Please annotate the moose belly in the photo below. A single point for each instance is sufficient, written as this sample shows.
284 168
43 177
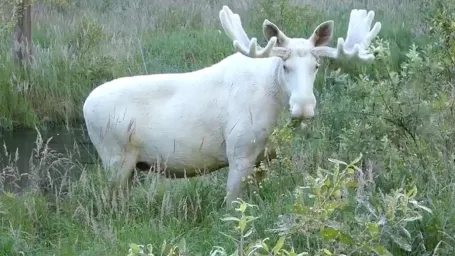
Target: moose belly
177 158
180 136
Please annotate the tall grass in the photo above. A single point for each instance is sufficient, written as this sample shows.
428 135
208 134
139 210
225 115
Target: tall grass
81 44
397 114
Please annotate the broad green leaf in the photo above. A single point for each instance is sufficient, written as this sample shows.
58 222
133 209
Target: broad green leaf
402 242
414 202
410 219
279 244
412 193
150 249
335 161
248 233
352 184
404 230
228 236
230 219
242 207
327 252
327 182
329 233
333 205
350 170
242 224
264 245
373 229
134 247
345 238
357 159
251 218
163 247
381 250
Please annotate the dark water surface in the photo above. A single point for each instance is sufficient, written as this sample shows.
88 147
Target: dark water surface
72 146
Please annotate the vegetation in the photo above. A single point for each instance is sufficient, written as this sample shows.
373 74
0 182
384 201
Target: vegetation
81 44
389 124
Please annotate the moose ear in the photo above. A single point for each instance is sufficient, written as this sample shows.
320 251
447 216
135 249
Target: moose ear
271 30
323 33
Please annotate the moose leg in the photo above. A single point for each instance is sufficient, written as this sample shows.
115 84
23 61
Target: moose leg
238 170
242 156
121 167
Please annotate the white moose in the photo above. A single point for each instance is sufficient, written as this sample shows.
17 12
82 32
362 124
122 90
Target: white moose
188 124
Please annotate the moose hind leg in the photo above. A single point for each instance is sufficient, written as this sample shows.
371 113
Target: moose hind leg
121 169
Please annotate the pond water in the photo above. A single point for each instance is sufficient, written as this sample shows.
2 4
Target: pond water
67 153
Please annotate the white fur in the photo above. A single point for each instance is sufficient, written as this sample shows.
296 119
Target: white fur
201 121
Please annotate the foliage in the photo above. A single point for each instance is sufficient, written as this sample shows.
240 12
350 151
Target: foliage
81 44
284 12
322 211
140 250
443 28
8 15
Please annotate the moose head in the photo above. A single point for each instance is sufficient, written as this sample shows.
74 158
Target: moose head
300 56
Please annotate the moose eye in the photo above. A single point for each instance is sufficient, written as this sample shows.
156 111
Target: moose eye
285 68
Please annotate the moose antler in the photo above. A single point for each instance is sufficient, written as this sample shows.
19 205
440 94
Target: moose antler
358 39
232 26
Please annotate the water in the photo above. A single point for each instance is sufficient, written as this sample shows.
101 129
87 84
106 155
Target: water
73 147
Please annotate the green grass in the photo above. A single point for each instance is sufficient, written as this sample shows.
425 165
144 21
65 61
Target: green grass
81 45
397 113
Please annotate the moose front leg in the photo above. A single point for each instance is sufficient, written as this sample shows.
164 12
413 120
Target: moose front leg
239 170
243 154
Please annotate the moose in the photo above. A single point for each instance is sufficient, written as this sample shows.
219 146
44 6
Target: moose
188 124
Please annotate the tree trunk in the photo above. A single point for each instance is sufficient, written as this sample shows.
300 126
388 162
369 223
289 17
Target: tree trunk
22 36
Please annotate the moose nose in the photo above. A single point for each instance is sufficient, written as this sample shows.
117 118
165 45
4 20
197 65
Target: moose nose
308 112
303 112
309 108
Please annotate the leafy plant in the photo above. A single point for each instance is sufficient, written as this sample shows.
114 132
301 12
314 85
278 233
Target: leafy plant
148 250
322 212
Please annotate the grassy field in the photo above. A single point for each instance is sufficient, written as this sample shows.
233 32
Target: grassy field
397 114
81 45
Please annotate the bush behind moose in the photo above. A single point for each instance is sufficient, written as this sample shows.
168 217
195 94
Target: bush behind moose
397 113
